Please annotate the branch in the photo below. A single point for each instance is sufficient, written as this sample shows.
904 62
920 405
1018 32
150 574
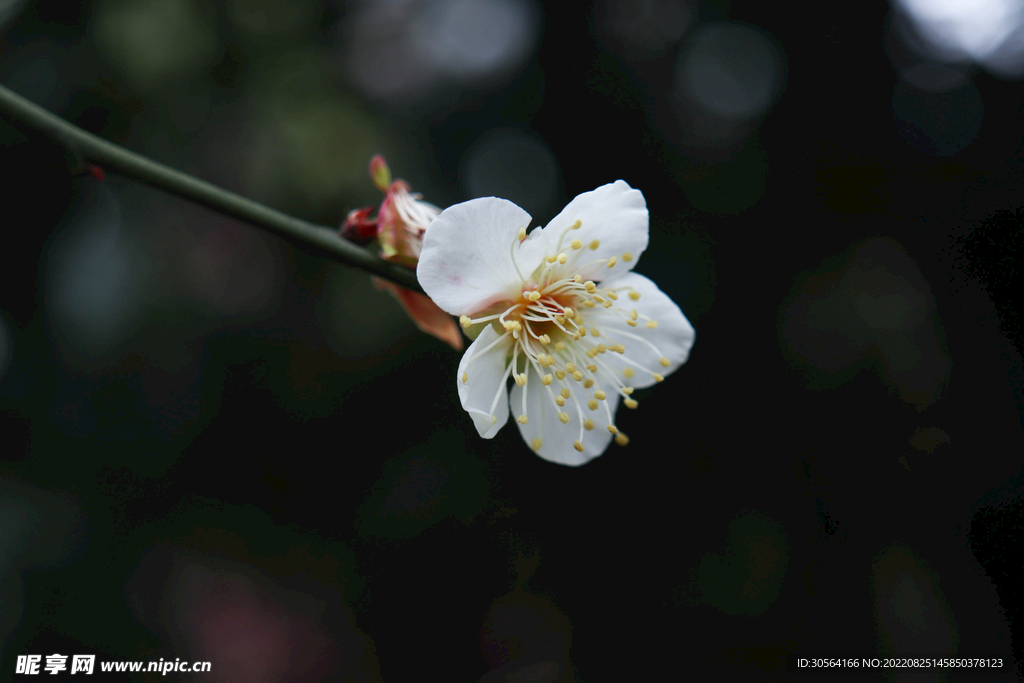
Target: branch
315 239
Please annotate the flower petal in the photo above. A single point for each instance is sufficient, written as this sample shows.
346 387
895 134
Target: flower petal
483 374
645 347
615 215
465 264
425 313
557 438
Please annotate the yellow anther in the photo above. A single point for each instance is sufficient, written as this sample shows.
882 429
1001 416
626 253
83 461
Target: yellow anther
535 296
628 372
598 299
588 424
465 377
559 346
521 380
594 331
621 439
592 404
613 296
627 390
582 331
627 257
592 367
537 443
600 395
576 225
612 261
560 319
587 383
630 403
634 295
613 429
665 362
576 244
577 278
522 234
562 258
591 353
578 446
522 419
565 393
512 325
465 321
569 313
570 368
544 339
559 401
560 374
575 336
546 380
589 304
657 377
563 418
631 323
578 376
633 315
601 348
594 244
590 286
550 259
652 324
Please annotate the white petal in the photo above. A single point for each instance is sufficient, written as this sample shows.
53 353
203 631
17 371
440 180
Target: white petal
671 339
486 379
557 438
615 215
465 264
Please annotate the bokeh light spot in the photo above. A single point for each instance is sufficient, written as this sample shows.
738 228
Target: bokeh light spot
733 71
937 123
513 166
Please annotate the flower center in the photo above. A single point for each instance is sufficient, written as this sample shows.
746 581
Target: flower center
555 333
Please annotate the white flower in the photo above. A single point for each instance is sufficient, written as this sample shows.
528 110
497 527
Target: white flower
568 321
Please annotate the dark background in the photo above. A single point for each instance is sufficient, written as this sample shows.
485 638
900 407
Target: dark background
217 447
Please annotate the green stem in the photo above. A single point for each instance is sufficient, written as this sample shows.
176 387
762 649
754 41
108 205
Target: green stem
315 239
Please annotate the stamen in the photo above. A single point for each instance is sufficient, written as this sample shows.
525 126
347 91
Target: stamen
600 395
522 419
537 443
592 404
546 380
576 244
630 403
594 244
465 377
611 261
578 446
621 439
588 424
627 257
563 417
613 429
665 362
634 295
